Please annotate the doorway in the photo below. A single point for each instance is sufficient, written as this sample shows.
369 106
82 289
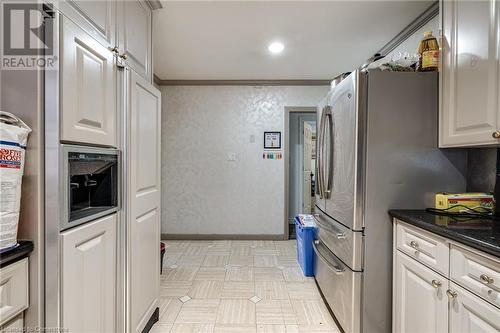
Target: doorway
300 164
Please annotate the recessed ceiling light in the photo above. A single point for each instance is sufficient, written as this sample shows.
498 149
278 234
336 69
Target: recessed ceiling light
276 47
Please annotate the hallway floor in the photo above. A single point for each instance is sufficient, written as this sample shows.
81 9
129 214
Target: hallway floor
238 287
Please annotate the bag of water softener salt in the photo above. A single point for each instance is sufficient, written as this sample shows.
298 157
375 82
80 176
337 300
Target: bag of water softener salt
13 138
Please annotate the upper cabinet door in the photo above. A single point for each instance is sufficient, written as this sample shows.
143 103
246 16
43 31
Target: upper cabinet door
134 35
469 114
87 88
97 18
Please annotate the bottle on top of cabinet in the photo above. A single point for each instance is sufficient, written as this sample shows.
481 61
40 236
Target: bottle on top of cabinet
428 50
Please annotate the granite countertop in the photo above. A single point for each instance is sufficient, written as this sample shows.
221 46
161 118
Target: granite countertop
481 234
19 252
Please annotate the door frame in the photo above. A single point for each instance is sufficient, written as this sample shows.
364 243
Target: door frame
286 151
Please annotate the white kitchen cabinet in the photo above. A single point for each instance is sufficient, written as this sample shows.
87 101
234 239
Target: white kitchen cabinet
469 111
88 281
13 290
144 128
135 37
420 297
96 17
87 88
471 314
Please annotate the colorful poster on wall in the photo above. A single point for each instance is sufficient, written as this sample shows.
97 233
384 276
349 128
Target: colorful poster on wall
272 140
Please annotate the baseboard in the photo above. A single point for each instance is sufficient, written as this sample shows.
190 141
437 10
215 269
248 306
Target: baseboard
155 316
221 237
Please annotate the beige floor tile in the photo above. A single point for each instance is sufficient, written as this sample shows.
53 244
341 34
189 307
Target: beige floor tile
303 290
201 243
175 247
198 311
170 259
241 250
233 289
265 261
264 251
195 250
222 244
264 244
294 274
191 260
206 289
286 251
222 251
269 290
238 243
268 274
288 261
174 288
271 328
184 273
235 260
318 328
269 312
240 274
289 316
211 274
192 328
169 309
312 312
161 328
228 328
215 261
236 311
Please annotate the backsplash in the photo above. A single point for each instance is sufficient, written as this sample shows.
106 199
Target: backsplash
481 169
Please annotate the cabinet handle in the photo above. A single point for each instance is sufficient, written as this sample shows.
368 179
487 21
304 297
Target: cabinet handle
496 135
486 279
114 49
124 56
452 294
436 284
414 245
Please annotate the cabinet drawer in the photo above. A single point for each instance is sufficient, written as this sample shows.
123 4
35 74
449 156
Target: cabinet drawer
478 273
13 290
425 247
14 325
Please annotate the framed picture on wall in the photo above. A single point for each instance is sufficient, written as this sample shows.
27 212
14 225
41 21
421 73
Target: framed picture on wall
272 140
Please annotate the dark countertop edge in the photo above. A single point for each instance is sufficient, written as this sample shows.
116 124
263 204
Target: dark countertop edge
459 238
21 251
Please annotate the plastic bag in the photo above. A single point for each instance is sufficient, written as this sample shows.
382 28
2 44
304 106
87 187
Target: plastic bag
13 138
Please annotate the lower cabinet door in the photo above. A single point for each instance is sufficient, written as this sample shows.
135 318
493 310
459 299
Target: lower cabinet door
420 301
470 314
88 277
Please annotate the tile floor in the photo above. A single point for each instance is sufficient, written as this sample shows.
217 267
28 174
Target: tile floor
238 287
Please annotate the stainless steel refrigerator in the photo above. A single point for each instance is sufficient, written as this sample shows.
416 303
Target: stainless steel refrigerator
376 150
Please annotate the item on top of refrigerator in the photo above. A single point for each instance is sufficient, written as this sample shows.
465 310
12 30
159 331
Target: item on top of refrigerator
13 138
465 202
400 62
428 49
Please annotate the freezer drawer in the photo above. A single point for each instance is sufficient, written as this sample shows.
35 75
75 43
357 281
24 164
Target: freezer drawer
346 244
341 287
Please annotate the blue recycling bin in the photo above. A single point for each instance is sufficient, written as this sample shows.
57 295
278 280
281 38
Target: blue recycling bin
305 254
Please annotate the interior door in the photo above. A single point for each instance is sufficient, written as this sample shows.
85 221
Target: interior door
306 174
341 151
144 123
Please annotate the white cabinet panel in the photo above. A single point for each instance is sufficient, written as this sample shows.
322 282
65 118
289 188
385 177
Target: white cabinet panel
471 314
469 74
477 273
96 17
420 301
88 280
13 290
87 89
427 248
135 35
144 200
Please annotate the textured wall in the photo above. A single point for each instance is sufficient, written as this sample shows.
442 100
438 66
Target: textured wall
203 192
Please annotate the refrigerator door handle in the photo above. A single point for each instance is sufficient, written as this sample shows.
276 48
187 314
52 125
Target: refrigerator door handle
329 167
319 165
330 228
332 262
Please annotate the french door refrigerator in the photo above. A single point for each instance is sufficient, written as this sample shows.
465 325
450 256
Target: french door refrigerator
376 150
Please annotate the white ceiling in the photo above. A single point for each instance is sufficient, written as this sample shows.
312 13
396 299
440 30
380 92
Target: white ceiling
227 40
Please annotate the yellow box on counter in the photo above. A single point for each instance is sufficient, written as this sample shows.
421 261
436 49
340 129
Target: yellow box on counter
456 202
